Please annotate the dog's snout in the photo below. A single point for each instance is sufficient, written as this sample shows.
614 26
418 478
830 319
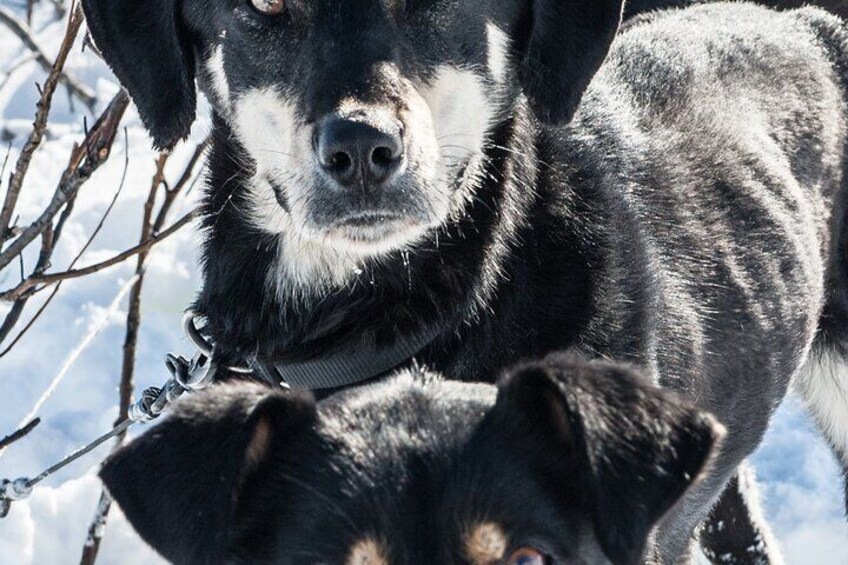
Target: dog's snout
358 153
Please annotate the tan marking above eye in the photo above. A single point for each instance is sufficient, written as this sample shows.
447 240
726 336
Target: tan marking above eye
269 7
485 544
367 552
259 444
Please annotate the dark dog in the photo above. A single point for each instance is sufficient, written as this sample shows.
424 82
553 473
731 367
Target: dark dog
563 462
638 7
478 182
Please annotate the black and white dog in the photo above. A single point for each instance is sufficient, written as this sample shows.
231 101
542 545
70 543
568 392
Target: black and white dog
564 462
475 182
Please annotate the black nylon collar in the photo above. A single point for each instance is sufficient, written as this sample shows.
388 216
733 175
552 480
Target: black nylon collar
346 367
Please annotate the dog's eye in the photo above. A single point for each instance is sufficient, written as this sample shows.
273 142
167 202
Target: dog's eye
527 556
269 7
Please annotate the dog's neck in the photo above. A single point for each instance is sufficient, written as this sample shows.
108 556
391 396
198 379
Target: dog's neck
396 296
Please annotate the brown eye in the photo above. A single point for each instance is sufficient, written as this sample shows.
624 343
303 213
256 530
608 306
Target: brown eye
527 556
269 7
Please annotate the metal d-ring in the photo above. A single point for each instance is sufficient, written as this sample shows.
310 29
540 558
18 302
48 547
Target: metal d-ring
195 334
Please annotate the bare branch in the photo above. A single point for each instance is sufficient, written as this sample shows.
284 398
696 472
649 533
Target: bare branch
39 126
12 318
38 281
96 530
76 259
85 159
144 247
20 434
75 354
149 230
188 173
24 33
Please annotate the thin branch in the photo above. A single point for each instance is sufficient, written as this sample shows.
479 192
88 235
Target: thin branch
98 327
39 126
188 173
144 247
91 548
12 318
9 72
149 230
38 281
18 435
79 254
5 162
85 159
24 33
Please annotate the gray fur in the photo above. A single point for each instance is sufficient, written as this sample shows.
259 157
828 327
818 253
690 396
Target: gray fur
723 180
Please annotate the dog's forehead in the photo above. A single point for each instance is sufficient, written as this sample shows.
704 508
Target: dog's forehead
408 431
410 407
412 471
329 24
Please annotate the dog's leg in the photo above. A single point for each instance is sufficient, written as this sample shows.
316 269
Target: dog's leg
823 384
736 532
728 491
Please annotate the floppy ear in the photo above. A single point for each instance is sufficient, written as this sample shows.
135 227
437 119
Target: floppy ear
569 39
179 484
142 42
628 449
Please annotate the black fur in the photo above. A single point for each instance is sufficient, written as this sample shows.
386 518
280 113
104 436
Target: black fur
155 62
567 457
554 83
689 219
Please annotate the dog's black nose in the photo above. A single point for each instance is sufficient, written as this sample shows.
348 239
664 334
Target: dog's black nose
355 152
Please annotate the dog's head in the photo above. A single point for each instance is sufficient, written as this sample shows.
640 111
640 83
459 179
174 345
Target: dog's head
564 462
362 120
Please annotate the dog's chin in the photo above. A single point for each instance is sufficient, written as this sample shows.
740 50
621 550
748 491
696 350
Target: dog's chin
370 233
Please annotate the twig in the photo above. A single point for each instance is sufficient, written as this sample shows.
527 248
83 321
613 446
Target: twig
78 350
20 434
188 173
12 318
24 33
10 71
85 159
97 528
91 548
149 229
79 254
39 126
5 162
27 286
38 281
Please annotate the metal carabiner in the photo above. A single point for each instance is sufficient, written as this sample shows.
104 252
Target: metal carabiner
199 372
194 333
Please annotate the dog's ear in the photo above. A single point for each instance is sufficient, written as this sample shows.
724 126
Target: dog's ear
568 41
142 41
628 450
179 484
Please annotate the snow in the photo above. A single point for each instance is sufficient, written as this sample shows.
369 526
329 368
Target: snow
800 481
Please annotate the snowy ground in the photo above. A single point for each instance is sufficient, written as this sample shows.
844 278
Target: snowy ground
800 483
